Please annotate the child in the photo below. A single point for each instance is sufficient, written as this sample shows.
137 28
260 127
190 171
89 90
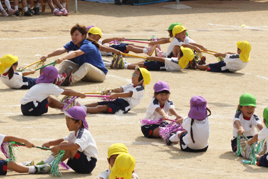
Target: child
12 78
10 165
195 136
37 99
79 146
232 62
127 96
245 120
160 107
9 9
113 151
169 64
263 134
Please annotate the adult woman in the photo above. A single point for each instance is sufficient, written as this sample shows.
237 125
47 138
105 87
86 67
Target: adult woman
83 58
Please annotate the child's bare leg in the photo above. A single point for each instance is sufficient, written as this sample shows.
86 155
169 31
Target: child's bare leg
176 50
58 4
133 65
97 109
53 103
16 167
136 49
155 133
91 105
51 5
202 67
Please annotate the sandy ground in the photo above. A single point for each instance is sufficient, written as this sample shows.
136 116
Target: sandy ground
215 24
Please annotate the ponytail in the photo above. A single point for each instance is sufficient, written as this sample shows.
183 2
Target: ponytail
94 43
209 112
191 131
10 72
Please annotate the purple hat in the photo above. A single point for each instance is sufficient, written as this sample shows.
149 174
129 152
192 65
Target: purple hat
198 109
89 27
77 113
50 73
161 86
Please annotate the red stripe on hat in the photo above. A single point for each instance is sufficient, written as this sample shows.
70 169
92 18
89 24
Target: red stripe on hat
77 155
110 110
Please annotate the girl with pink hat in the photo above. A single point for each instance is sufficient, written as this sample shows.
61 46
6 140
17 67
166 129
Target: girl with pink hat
195 136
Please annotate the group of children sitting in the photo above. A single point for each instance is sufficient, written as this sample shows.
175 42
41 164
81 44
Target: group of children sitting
192 132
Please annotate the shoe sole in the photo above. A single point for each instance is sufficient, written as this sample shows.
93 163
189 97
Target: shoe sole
67 81
116 62
120 63
152 51
112 65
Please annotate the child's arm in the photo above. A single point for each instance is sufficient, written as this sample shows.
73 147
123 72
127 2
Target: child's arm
112 39
260 126
239 127
25 73
159 59
222 54
192 47
52 143
160 41
174 112
70 55
70 92
121 95
63 146
199 46
253 139
161 112
109 49
57 52
20 140
115 90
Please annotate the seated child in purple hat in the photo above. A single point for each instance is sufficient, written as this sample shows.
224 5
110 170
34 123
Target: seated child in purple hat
79 146
37 99
159 107
11 165
195 136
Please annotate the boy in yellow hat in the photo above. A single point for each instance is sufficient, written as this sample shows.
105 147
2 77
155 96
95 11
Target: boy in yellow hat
113 152
232 61
126 97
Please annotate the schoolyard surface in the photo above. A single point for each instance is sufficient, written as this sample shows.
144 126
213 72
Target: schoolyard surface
214 24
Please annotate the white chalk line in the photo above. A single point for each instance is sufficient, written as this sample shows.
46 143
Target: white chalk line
119 77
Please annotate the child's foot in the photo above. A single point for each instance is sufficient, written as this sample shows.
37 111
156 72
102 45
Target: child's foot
58 13
61 78
158 53
11 12
193 64
68 78
4 12
30 10
202 61
42 169
151 50
120 63
168 142
18 13
29 163
27 13
65 12
114 61
36 10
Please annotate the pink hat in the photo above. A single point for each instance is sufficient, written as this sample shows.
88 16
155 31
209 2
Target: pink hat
77 113
161 86
198 109
50 73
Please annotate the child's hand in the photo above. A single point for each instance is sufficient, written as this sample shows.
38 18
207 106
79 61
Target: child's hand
198 50
47 145
28 144
43 58
55 149
82 95
165 117
113 96
241 131
217 54
204 48
59 60
179 119
105 92
120 39
118 52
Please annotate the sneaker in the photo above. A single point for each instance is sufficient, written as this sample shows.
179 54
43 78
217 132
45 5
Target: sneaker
114 64
41 163
4 12
18 13
28 13
42 169
30 163
68 78
151 50
58 13
192 64
36 10
120 63
158 53
65 12
61 78
168 142
202 61
11 12
30 10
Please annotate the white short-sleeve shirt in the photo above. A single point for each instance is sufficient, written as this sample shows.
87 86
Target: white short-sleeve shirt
15 82
2 137
248 125
200 133
86 142
263 134
233 63
138 93
174 41
105 174
152 114
41 91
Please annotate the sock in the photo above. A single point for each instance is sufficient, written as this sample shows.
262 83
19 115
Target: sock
16 7
49 159
55 10
145 50
25 9
84 107
126 65
7 4
32 169
64 5
174 137
38 4
62 9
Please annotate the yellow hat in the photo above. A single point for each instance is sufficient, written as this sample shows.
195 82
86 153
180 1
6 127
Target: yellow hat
116 149
7 61
146 75
123 167
188 55
178 29
95 30
245 48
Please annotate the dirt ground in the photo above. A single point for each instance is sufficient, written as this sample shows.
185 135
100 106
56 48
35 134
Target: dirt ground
214 24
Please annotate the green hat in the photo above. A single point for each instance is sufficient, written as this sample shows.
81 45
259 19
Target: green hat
265 115
247 99
173 25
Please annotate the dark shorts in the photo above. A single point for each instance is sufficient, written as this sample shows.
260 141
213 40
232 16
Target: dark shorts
30 110
31 82
3 167
80 164
116 105
170 55
121 47
189 149
263 161
234 143
216 67
153 65
147 130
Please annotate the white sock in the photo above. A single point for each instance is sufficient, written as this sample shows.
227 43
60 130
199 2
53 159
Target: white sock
174 137
49 159
7 4
25 9
62 9
145 50
16 7
32 169
126 65
38 4
64 5
84 107
55 10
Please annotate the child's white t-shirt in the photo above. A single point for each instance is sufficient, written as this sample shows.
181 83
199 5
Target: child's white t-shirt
15 82
175 41
172 64
41 91
86 142
152 114
248 125
138 93
105 174
263 134
2 137
200 133
233 63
